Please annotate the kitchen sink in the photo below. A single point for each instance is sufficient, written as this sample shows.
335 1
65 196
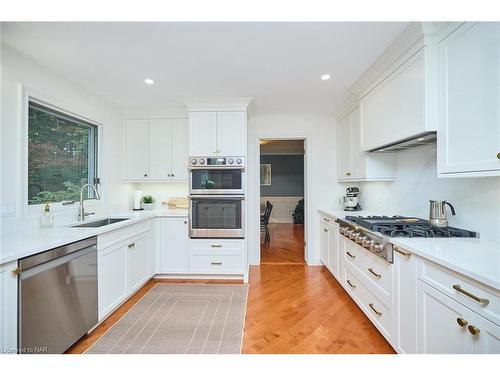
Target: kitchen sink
100 223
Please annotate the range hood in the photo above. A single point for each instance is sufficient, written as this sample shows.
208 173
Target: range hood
417 140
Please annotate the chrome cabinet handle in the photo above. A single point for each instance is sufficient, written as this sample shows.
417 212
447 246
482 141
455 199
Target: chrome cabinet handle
131 245
213 245
377 275
216 263
473 330
482 301
373 308
397 250
352 256
462 322
351 284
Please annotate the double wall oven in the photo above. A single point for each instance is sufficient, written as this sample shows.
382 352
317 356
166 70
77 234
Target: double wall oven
217 197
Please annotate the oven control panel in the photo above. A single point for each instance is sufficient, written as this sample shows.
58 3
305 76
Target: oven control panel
219 161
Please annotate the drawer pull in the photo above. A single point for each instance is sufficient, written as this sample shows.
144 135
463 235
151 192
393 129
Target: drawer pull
351 284
374 310
474 330
377 275
462 322
213 245
16 271
352 256
325 230
482 301
397 250
348 173
131 245
216 263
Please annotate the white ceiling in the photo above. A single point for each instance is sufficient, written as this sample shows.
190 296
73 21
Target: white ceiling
278 64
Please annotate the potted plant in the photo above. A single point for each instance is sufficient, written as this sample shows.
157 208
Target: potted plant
147 201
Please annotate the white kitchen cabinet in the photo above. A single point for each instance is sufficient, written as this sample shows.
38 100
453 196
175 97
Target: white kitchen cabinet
324 244
217 133
231 131
487 341
8 308
355 164
174 245
469 119
405 302
438 326
156 150
136 149
401 105
138 261
112 281
329 245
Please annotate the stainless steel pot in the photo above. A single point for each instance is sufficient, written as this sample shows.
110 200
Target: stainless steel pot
437 213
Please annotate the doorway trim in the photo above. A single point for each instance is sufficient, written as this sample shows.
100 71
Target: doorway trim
307 183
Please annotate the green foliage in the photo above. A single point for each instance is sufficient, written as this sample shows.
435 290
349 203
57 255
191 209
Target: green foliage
71 193
298 213
147 199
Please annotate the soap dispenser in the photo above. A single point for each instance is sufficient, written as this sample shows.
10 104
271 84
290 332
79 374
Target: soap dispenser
46 218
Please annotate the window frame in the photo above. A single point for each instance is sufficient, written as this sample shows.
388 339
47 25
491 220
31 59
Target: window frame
68 110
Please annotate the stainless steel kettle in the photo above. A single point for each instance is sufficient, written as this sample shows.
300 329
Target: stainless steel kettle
437 213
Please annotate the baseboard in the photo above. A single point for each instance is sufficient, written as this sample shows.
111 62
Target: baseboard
198 276
314 262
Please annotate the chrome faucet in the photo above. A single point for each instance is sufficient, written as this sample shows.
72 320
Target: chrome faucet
81 210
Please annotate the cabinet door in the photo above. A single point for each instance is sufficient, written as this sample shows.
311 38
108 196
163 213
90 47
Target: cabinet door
160 150
8 308
112 281
202 133
469 139
231 133
174 245
179 148
438 331
345 148
487 341
405 302
324 244
136 150
138 261
333 249
395 109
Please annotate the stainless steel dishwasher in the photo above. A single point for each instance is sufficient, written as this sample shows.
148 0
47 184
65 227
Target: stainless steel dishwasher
57 297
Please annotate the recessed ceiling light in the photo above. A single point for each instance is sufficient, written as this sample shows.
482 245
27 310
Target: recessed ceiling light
325 77
149 81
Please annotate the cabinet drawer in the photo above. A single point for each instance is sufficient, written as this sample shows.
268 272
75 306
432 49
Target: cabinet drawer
374 308
479 298
217 247
378 274
115 236
218 264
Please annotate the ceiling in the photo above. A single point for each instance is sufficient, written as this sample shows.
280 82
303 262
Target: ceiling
278 64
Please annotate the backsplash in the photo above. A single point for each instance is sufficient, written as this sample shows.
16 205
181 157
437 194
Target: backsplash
476 200
161 191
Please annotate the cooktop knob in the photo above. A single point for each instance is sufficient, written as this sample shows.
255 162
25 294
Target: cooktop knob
359 238
377 248
353 234
230 161
194 161
239 161
202 161
366 243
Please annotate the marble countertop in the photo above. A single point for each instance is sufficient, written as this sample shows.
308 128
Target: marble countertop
25 240
476 258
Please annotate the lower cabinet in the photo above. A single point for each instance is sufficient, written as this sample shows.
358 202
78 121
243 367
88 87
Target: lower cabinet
174 245
123 267
217 256
8 308
329 245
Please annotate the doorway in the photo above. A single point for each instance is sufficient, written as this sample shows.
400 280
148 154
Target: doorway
282 201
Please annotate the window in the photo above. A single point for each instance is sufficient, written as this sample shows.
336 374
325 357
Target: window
62 155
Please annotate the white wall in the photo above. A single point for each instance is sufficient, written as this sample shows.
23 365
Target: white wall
476 200
321 172
18 72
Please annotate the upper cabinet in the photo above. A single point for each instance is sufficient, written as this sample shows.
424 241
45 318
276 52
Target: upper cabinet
218 127
400 106
355 164
217 133
469 115
156 149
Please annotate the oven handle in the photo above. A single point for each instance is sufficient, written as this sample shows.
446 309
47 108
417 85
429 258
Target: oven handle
235 196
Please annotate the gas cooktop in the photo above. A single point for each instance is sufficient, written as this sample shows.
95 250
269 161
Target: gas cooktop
400 226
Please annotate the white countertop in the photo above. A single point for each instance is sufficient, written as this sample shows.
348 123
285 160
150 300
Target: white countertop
25 240
476 258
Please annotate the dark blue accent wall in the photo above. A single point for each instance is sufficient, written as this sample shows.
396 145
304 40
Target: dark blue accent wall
287 176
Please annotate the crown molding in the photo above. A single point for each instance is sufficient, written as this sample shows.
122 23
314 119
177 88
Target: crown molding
229 104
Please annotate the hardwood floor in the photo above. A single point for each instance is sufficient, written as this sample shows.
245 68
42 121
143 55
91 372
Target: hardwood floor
291 309
286 246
